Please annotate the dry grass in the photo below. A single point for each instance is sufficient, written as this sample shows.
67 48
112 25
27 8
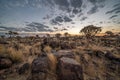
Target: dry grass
15 56
3 51
77 58
53 61
100 48
47 49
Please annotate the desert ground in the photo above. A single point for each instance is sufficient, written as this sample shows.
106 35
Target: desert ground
60 57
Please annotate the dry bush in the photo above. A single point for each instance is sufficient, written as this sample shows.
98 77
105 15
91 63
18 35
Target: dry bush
26 50
36 49
15 56
47 49
53 61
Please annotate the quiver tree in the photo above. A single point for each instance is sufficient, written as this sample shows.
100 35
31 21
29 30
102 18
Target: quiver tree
58 35
66 34
109 33
90 31
11 33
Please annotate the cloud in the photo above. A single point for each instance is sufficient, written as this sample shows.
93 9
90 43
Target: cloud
72 22
3 28
83 18
72 16
76 11
67 19
38 25
116 5
113 16
30 27
93 10
117 12
118 23
53 22
35 26
58 20
63 4
96 1
97 4
76 3
47 17
101 22
116 9
64 29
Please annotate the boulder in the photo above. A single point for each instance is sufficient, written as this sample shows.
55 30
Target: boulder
5 63
25 67
64 53
69 69
40 65
41 69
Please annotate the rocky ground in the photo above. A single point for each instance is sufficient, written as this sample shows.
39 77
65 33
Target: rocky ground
65 61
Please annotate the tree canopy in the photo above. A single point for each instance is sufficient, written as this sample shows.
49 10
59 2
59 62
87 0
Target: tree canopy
110 33
90 30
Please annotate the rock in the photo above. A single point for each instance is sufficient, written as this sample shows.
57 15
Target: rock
112 57
5 63
40 69
69 69
65 45
1 78
98 65
54 44
65 53
25 67
40 65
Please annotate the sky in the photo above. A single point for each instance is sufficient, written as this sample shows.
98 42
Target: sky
59 15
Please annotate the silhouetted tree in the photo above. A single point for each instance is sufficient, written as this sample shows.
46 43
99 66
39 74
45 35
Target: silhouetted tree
48 35
37 36
15 33
90 31
109 33
11 33
58 35
66 34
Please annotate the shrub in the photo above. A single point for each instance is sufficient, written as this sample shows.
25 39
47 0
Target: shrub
14 55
